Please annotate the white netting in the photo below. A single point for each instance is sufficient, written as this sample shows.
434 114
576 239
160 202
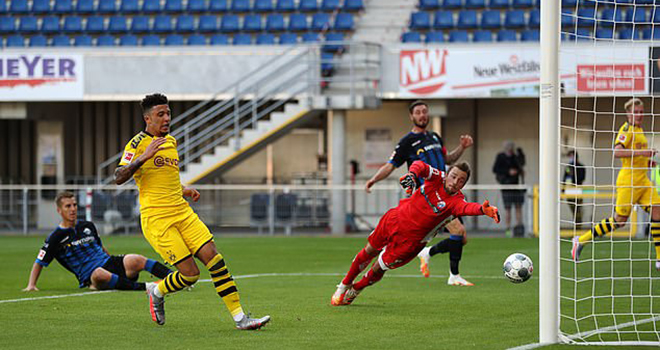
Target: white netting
612 295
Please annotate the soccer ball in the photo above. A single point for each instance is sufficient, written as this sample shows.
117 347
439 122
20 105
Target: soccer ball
518 267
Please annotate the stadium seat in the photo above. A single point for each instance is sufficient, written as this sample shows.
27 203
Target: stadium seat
218 6
263 6
297 22
514 19
327 64
27 24
275 22
355 5
162 24
38 41
491 19
185 24
420 20
609 16
530 35
452 4
85 6
320 21
475 4
63 6
429 4
569 3
310 38
581 34
117 24
567 18
499 4
586 17
19 6
140 24
151 40
534 19
592 3
229 24
129 6
285 6
629 34
265 39
655 16
651 33
7 25
196 39
522 3
467 19
106 7
127 40
106 40
38 6
174 40
288 39
507 35
308 6
3 7
173 6
15 41
411 37
443 20
61 41
458 36
435 37
207 23
219 39
73 24
482 36
82 40
50 24
252 23
150 6
344 21
332 42
329 5
95 24
240 6
636 15
242 39
195 6
605 33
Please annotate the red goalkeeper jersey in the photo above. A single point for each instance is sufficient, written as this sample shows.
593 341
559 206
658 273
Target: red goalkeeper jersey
430 207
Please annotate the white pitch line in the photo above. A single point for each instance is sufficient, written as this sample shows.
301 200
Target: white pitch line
528 346
55 296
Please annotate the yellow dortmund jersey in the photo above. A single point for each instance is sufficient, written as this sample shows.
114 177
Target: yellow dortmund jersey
158 178
633 169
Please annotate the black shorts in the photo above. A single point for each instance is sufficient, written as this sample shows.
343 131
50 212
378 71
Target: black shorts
513 197
116 265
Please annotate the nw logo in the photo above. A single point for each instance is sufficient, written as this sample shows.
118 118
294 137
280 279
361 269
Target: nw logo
423 71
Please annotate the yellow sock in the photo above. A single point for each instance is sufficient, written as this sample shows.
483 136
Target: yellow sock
655 233
602 228
224 284
175 282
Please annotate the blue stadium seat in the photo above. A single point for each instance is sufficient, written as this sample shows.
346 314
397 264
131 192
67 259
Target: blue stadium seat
63 6
207 23
514 19
151 40
310 38
263 6
285 6
127 40
240 6
569 3
491 19
82 40
85 6
458 36
297 22
344 21
196 6
355 5
605 33
19 6
651 33
507 35
173 6
3 7
435 37
290 39
107 40
522 3
61 41
15 41
411 37
629 34
329 5
39 6
218 6
185 24
106 7
534 19
530 35
275 22
308 6
567 18
443 20
50 24
229 23
467 19
332 42
140 24
655 16
327 66
584 34
242 39
499 4
429 4
162 24
586 17
252 23
150 6
174 40
636 15
38 41
129 6
475 4
117 24
265 39
320 21
94 24
7 25
73 24
482 36
219 39
452 4
27 24
420 20
610 15
196 39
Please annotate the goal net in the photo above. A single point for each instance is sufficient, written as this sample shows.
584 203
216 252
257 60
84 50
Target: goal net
606 63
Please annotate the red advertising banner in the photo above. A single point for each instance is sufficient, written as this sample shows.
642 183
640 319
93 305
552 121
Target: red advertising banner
611 77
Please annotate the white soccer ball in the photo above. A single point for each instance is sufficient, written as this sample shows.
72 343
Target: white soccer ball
518 267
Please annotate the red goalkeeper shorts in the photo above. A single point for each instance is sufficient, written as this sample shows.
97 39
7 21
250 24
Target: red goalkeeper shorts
396 249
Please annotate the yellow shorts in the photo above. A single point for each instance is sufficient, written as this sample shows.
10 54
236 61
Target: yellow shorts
643 195
176 237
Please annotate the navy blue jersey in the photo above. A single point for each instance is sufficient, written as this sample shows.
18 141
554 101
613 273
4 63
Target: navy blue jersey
79 249
427 147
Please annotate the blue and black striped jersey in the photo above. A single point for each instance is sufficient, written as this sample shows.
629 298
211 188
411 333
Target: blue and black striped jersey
427 147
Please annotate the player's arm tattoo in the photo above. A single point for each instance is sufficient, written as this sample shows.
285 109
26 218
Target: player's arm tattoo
454 155
124 173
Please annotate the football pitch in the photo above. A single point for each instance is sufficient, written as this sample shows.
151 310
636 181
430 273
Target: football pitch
290 278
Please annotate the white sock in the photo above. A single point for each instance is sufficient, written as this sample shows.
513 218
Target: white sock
239 316
157 292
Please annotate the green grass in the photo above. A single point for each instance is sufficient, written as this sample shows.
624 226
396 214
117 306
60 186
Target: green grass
404 312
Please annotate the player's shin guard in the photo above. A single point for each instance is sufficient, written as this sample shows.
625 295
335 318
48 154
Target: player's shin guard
602 228
455 253
175 282
157 269
121 283
225 285
369 278
655 233
360 262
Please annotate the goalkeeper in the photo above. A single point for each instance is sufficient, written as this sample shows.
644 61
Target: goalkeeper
403 231
632 184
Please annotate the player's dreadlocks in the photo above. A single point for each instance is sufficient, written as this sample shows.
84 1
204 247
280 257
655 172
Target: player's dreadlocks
152 100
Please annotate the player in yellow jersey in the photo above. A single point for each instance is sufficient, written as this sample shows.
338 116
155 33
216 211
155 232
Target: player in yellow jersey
632 184
168 223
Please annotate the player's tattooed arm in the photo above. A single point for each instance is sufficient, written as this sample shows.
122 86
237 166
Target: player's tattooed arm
465 142
124 173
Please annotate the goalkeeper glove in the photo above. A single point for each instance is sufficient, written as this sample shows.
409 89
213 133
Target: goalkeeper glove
490 211
409 183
